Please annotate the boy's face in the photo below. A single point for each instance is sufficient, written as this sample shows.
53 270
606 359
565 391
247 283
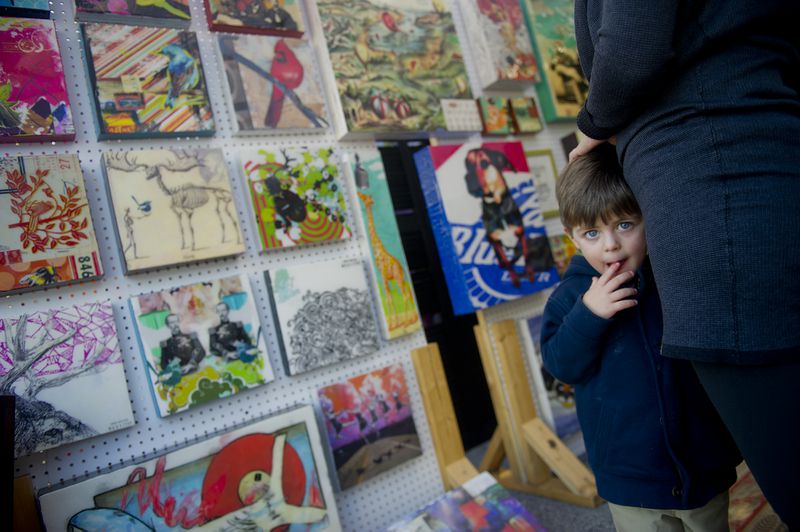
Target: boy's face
620 240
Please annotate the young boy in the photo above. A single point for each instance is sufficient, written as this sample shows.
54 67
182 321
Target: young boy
659 452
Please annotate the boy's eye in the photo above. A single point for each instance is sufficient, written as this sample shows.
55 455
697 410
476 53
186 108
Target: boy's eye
591 233
624 226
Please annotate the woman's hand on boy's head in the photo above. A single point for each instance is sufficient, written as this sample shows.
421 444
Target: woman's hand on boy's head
606 296
586 144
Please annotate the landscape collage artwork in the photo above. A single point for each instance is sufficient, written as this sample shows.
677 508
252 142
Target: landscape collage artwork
64 366
394 60
270 17
46 231
322 319
34 104
172 206
148 82
273 83
269 475
201 342
296 196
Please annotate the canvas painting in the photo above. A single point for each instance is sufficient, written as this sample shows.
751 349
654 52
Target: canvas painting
487 223
46 231
25 8
147 82
369 424
495 115
65 368
525 115
296 196
34 104
563 87
269 475
390 274
201 342
542 165
270 17
394 60
272 83
174 13
172 206
323 313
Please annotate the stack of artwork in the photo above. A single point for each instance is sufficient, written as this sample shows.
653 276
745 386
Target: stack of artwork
65 368
271 17
201 342
34 104
269 475
369 424
171 13
46 231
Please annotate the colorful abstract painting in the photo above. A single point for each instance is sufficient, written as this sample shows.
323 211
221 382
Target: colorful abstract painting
201 342
172 206
269 475
46 231
369 424
174 13
563 87
323 312
147 82
487 223
495 115
272 83
269 17
525 115
390 273
34 105
65 368
296 196
394 60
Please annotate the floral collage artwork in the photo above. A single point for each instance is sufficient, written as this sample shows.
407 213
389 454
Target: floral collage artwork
269 17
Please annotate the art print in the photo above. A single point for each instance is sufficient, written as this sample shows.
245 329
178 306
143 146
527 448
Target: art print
157 12
65 368
525 115
46 231
269 475
542 166
270 17
296 196
25 8
369 424
272 83
34 104
495 115
172 206
323 312
147 82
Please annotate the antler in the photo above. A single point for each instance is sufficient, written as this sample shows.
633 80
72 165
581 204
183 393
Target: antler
126 161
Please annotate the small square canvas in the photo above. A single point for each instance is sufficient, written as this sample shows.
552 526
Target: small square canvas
391 277
268 475
170 13
270 17
323 313
525 115
46 231
201 342
147 82
369 424
542 165
171 206
65 368
273 83
34 104
495 115
461 114
296 196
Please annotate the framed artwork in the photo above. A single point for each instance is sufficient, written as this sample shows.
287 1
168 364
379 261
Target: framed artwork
369 425
268 475
393 62
272 82
323 313
34 104
46 231
25 8
495 115
563 87
542 166
200 342
525 115
296 196
65 368
169 13
486 221
500 43
171 206
271 17
461 114
390 274
146 82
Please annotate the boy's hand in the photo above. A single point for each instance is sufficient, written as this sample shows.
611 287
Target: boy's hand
605 297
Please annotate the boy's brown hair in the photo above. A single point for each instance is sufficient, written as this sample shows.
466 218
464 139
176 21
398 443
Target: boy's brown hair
592 188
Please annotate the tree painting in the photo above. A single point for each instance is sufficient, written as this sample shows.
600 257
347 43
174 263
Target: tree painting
43 356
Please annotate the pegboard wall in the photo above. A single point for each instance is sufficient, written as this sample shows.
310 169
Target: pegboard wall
370 506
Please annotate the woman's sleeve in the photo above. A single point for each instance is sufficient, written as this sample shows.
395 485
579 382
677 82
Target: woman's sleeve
631 62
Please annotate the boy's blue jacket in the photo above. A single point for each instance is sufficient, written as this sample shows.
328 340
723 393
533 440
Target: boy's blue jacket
652 436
